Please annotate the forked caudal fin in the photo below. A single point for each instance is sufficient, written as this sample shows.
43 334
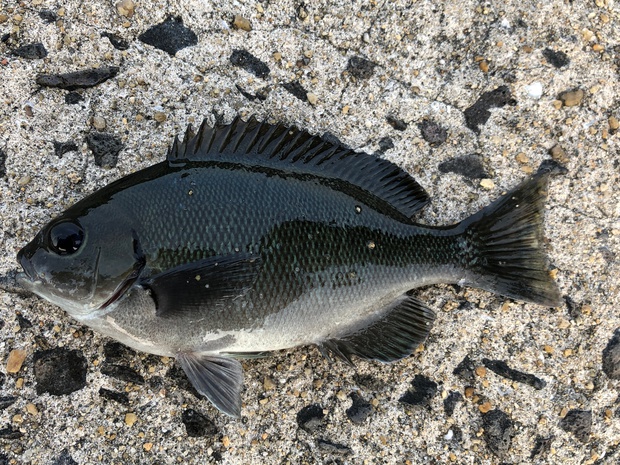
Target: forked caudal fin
503 245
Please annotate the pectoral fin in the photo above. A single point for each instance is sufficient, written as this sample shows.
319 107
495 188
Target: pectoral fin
219 379
208 283
393 336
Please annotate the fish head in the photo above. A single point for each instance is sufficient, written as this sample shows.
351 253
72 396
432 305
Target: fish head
82 261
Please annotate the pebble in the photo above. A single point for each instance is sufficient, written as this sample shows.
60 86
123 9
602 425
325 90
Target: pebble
558 154
105 148
312 98
542 446
130 419
501 368
120 397
297 90
126 8
359 410
73 98
117 42
432 132
15 360
487 184
465 370
197 424
450 402
24 180
469 166
160 116
169 36
421 393
333 448
99 123
60 148
498 431
30 51
32 409
310 418
579 423
78 79
10 433
534 90
611 356
360 67
571 98
478 114
242 23
613 123
122 372
268 384
59 371
245 60
396 123
557 59
2 163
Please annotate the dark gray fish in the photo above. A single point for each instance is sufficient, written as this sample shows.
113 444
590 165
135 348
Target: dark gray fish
251 238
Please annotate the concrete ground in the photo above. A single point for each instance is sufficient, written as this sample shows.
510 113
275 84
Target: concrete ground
421 83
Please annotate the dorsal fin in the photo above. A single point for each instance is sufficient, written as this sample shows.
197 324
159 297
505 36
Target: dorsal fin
290 149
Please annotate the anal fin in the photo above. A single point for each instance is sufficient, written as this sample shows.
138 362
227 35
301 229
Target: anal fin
395 335
219 379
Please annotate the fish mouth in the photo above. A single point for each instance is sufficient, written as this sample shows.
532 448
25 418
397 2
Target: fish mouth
29 273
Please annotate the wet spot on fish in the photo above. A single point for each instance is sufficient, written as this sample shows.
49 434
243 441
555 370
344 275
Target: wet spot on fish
197 278
358 209
190 193
371 245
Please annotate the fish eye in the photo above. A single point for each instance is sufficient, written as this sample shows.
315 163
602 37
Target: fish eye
65 238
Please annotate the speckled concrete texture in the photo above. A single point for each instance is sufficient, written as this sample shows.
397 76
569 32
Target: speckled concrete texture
540 80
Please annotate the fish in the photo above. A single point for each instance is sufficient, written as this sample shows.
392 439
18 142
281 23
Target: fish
251 237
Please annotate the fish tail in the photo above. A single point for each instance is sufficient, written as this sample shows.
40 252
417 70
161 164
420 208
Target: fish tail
503 245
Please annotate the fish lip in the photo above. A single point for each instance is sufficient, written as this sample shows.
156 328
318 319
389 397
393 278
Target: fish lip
27 266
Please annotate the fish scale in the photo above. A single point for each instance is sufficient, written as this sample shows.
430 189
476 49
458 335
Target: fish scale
253 237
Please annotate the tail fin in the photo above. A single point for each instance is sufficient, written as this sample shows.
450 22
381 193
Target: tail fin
504 245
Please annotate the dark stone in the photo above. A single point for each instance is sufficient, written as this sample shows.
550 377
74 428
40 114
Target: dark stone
296 89
552 167
469 166
30 51
10 433
260 95
48 16
611 356
310 418
7 401
4 459
117 42
64 459
360 410
23 322
501 368
421 392
124 373
5 38
457 434
60 148
105 148
573 309
449 403
578 422
542 446
169 36
120 397
385 144
396 123
498 431
198 425
478 114
2 163
360 68
78 79
333 448
432 132
113 351
72 98
2 378
465 369
247 61
59 371
556 59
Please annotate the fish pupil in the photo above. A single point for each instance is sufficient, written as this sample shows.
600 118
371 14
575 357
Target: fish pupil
65 238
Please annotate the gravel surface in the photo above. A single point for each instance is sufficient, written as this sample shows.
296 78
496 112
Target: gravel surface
469 97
